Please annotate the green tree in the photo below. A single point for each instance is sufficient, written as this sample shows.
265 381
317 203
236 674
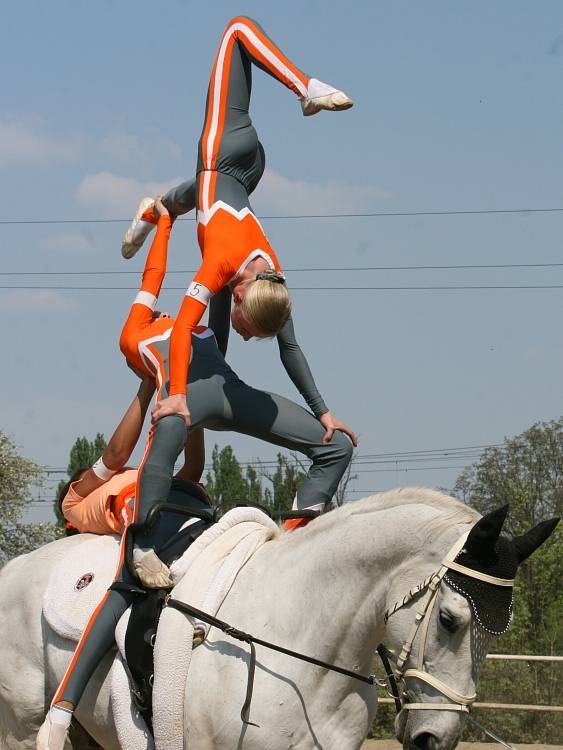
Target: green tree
285 479
17 477
225 482
83 454
255 494
527 473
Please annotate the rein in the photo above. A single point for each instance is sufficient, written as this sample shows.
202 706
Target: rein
240 635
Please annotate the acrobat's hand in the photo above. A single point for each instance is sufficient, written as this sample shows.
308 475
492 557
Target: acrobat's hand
331 424
172 405
159 208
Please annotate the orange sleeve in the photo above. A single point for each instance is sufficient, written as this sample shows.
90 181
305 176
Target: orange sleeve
212 276
90 513
93 512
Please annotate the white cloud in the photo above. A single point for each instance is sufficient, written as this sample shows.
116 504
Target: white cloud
24 140
82 240
117 195
150 148
282 195
34 300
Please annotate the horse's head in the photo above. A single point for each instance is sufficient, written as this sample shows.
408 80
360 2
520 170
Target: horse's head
440 650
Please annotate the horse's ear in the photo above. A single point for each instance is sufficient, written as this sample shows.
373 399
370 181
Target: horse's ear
483 536
532 539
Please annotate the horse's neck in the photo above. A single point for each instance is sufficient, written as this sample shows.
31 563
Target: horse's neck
324 590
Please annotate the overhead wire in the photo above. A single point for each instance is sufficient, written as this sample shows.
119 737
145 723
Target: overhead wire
442 287
328 269
471 452
352 215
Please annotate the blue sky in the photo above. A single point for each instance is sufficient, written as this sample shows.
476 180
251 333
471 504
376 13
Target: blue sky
458 107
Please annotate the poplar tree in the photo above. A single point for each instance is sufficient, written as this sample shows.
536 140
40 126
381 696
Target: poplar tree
18 476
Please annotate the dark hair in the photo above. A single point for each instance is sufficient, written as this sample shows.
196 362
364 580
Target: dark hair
75 476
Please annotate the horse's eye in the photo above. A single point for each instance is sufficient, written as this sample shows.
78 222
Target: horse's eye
448 621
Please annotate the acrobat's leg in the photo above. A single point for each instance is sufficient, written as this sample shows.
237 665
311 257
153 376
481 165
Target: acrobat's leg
228 143
141 313
97 638
181 199
279 421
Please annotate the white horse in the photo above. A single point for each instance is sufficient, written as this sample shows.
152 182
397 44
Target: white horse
322 591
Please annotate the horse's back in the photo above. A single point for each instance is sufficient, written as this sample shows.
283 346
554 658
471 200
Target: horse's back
23 699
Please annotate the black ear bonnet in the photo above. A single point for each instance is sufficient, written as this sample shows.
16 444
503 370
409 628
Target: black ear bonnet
487 551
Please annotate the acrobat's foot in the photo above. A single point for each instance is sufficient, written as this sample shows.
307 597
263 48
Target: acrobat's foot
52 735
322 96
139 229
152 572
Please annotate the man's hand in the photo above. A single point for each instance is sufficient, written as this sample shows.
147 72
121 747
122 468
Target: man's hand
331 424
172 405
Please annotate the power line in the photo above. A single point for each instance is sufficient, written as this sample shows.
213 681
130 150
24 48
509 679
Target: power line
355 215
470 452
390 470
334 269
435 288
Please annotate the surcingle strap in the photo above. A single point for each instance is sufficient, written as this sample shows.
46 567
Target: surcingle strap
139 648
143 622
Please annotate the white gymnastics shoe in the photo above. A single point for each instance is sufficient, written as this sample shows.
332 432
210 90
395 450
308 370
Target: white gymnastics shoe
322 96
152 572
52 735
138 231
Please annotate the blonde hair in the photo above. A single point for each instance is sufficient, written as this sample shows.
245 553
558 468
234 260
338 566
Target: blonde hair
266 303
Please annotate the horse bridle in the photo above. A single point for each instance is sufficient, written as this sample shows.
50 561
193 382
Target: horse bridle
460 702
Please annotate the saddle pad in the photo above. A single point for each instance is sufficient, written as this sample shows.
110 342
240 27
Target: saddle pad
203 577
78 583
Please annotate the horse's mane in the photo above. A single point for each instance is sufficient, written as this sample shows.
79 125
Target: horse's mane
450 510
412 496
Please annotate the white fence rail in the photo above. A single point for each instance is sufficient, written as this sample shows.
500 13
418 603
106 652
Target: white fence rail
512 706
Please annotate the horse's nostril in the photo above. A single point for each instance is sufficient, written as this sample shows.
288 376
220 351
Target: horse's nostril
426 741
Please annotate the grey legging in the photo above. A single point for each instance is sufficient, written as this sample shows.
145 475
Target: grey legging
219 400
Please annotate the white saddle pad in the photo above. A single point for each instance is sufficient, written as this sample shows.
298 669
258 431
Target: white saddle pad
78 583
202 577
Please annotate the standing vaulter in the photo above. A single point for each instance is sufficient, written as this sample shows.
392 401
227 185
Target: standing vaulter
236 255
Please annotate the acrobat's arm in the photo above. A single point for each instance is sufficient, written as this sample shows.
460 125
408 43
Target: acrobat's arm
121 444
298 369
